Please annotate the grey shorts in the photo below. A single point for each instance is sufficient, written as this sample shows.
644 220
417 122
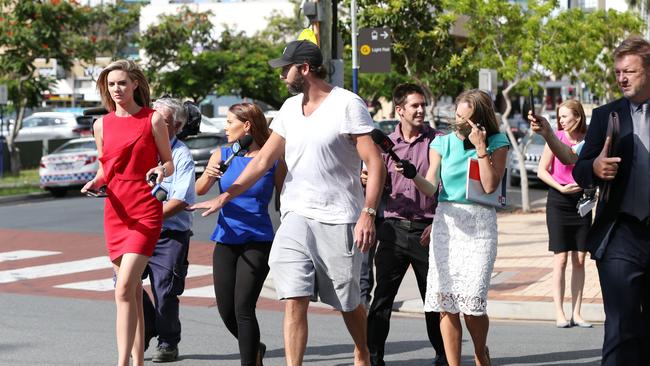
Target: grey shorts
318 260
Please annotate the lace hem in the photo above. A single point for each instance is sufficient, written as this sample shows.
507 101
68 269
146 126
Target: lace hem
456 303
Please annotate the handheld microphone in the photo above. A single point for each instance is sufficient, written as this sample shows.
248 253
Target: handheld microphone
158 191
239 148
386 145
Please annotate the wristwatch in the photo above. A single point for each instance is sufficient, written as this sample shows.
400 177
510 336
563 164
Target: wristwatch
370 211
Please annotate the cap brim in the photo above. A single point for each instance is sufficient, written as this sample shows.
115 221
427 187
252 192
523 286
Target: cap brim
279 62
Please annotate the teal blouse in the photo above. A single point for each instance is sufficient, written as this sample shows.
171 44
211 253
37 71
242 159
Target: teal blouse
453 169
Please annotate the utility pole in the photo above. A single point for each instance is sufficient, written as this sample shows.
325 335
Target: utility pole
323 16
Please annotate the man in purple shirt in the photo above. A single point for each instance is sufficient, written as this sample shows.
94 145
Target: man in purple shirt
408 215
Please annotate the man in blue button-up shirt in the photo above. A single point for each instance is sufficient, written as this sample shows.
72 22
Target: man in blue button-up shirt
167 266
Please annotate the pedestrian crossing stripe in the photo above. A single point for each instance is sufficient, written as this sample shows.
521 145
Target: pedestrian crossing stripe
55 269
17 255
106 284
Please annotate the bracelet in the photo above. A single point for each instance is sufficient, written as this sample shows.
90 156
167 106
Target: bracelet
482 156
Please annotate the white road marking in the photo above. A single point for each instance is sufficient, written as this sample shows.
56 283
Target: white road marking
24 254
106 284
55 269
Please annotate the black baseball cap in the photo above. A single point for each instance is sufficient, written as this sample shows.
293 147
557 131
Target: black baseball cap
298 52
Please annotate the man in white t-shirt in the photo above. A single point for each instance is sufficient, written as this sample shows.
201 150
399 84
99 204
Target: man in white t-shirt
324 134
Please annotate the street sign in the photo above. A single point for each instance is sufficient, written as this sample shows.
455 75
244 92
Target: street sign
3 94
487 81
374 50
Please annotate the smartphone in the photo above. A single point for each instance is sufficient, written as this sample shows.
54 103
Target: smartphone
531 102
97 193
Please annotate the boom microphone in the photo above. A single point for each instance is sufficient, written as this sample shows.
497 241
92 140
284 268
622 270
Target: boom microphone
239 148
384 143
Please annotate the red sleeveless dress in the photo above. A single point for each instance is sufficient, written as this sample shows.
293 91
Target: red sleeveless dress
132 216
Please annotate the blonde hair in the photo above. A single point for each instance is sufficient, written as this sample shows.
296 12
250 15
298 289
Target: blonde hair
482 107
141 94
252 113
576 108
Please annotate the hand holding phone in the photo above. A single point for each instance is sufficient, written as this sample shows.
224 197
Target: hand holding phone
101 192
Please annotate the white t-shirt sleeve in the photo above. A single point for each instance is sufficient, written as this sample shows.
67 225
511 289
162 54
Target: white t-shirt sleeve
278 125
357 120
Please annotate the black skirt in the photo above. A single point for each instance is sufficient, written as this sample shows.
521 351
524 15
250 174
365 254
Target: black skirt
567 231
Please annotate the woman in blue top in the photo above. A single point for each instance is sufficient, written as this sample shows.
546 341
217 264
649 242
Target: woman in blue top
244 231
464 234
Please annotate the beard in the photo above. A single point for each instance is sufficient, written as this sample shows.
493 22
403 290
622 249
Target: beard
297 85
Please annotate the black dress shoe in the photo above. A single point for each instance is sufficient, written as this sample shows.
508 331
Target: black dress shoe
165 354
439 360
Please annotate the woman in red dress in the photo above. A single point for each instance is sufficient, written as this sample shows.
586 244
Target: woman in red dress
131 140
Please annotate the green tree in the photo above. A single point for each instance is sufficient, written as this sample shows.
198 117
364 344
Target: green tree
179 57
583 45
506 37
423 49
31 30
184 58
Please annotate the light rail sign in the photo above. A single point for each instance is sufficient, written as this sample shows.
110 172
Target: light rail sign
374 50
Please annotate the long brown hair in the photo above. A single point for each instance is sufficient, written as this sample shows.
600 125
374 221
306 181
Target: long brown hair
252 113
141 94
483 109
576 108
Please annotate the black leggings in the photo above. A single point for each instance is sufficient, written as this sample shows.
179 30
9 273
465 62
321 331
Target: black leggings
239 272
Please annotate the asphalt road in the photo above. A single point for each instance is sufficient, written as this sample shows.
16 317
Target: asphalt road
41 328
38 330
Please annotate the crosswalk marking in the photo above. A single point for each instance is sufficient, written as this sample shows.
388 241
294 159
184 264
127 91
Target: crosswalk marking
106 284
55 269
205 291
24 254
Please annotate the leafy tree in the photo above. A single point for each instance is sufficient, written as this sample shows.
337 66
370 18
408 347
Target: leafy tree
184 58
30 30
178 57
583 45
423 50
506 37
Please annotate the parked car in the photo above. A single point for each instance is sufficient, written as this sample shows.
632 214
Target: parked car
532 157
386 126
212 125
202 146
70 166
54 125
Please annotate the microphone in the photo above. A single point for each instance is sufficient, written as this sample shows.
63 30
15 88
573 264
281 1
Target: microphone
239 148
386 145
158 191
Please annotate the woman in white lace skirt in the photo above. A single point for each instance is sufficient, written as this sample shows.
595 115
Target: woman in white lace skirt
464 234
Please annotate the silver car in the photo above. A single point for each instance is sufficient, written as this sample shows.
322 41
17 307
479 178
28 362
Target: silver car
53 125
532 156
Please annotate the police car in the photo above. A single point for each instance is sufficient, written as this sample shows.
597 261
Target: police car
70 166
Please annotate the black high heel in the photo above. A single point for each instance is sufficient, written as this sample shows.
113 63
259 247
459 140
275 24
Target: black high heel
487 353
261 350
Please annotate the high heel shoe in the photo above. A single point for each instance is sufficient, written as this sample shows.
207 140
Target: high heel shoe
260 354
581 324
487 353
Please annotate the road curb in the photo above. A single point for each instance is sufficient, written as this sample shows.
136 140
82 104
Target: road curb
517 310
23 197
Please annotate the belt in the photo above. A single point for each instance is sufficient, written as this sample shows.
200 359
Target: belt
410 224
644 222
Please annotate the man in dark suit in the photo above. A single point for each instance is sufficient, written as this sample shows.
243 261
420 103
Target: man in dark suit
620 236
